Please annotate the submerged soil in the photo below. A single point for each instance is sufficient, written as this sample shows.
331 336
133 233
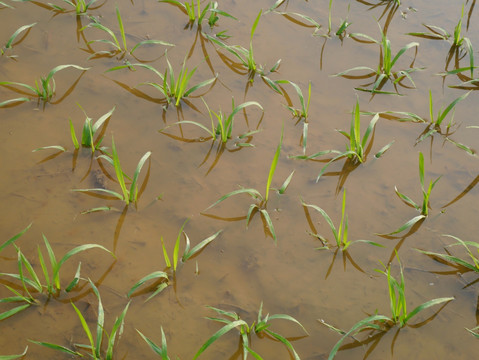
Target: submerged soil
188 171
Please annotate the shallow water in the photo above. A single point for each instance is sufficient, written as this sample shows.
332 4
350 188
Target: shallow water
242 267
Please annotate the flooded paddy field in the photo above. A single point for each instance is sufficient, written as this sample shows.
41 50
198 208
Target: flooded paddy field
311 160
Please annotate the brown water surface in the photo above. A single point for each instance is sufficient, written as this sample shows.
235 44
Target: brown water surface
187 172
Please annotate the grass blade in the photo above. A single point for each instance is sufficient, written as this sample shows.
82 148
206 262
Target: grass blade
13 311
8 45
153 275
56 347
199 247
15 237
218 334
274 163
176 250
14 357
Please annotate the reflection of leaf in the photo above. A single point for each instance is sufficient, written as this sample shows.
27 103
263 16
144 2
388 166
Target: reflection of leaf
464 192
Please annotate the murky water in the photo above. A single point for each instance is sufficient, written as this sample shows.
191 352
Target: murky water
187 173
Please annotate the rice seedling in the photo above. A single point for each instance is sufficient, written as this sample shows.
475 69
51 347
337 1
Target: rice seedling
233 320
260 200
246 56
302 113
89 130
424 207
341 233
399 314
434 122
128 195
387 60
470 265
14 357
458 42
358 147
11 41
397 296
173 88
44 88
88 134
224 122
163 350
119 48
187 254
95 345
80 7
197 14
51 276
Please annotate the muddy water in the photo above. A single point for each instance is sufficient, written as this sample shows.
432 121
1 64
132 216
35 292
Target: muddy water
187 173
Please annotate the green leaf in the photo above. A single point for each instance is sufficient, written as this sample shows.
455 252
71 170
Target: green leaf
16 33
407 225
153 275
56 268
15 237
116 330
13 101
162 351
426 305
13 311
55 147
274 163
133 186
269 223
253 192
151 41
365 323
13 357
176 249
56 347
188 254
218 334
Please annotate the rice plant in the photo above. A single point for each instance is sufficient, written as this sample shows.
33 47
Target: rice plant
187 254
260 200
387 61
397 296
52 284
159 350
197 14
341 233
95 343
88 133
89 130
29 279
233 321
222 128
128 194
173 88
472 264
358 147
119 48
423 208
399 315
80 7
44 88
246 56
435 121
11 41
